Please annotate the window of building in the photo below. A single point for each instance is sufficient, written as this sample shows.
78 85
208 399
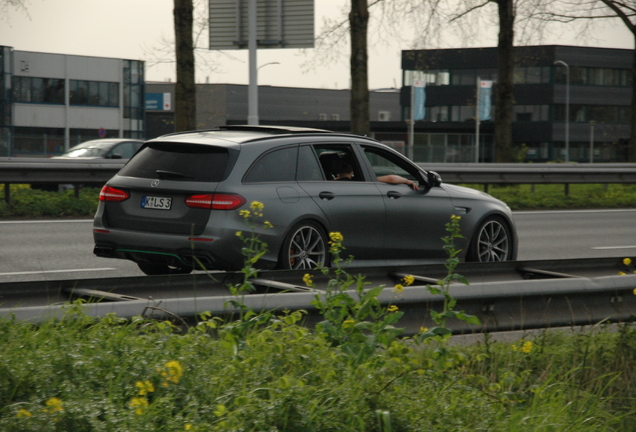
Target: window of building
38 90
94 93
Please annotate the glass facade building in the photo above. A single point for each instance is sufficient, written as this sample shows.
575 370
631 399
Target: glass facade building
600 84
51 102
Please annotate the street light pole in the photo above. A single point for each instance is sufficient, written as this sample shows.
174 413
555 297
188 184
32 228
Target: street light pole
567 109
592 122
252 88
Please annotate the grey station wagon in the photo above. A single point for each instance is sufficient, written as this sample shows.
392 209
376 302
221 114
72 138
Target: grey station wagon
176 205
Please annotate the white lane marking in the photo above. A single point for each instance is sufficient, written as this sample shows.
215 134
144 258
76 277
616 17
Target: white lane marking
56 271
614 247
527 212
46 221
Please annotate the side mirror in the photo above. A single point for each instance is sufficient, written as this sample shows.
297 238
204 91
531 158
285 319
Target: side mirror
434 179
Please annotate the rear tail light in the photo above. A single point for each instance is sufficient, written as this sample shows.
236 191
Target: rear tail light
111 194
215 201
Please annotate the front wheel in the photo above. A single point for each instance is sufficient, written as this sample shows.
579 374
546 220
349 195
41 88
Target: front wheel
152 269
305 247
492 242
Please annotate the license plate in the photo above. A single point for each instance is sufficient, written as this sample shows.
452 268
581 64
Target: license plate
158 203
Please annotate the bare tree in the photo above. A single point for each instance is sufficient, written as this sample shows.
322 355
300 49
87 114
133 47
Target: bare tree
359 103
6 5
185 93
505 87
433 22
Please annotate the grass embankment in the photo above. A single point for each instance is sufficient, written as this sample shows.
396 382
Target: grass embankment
28 203
77 375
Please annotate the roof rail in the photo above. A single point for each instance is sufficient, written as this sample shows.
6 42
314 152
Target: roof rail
272 129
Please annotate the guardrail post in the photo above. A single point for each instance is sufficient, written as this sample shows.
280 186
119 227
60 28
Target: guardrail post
77 187
567 189
7 194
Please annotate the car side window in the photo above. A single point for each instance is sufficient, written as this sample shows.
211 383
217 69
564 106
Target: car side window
308 167
275 166
125 150
384 163
338 162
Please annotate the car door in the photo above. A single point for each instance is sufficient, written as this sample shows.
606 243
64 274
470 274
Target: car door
415 220
353 207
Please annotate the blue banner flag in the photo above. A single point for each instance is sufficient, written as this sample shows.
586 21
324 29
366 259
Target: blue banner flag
419 100
485 100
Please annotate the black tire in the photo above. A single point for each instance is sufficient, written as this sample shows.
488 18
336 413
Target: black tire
492 242
152 269
304 247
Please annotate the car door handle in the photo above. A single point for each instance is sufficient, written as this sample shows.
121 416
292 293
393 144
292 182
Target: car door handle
327 195
393 194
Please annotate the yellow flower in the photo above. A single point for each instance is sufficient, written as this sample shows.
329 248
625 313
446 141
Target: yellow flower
622 273
245 214
526 347
188 426
54 404
239 233
408 280
392 308
139 403
627 261
634 291
423 329
348 323
398 288
455 217
144 387
23 413
336 237
257 206
173 371
308 280
268 224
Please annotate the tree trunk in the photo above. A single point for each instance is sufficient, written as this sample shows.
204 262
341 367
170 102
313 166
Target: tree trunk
185 93
631 149
359 105
504 93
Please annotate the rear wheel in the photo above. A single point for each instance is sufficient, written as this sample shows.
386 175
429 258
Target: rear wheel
305 247
152 269
492 242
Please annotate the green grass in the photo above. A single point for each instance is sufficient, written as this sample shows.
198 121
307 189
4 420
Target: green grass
34 203
80 375
28 203
552 196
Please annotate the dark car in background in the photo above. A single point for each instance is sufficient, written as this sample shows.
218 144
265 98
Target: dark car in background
107 148
176 205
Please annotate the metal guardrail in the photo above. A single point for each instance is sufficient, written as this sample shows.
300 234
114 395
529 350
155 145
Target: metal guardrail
529 173
56 171
564 299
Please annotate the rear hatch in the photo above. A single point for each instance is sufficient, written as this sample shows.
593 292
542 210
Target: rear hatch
170 188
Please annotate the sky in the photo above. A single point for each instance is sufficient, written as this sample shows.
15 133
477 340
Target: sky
136 29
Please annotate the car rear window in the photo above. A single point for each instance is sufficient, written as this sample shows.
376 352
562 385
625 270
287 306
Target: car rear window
185 162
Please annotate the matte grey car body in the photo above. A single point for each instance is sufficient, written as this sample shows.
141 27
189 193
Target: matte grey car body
176 205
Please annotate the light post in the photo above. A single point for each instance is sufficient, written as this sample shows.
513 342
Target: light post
567 108
592 122
252 116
